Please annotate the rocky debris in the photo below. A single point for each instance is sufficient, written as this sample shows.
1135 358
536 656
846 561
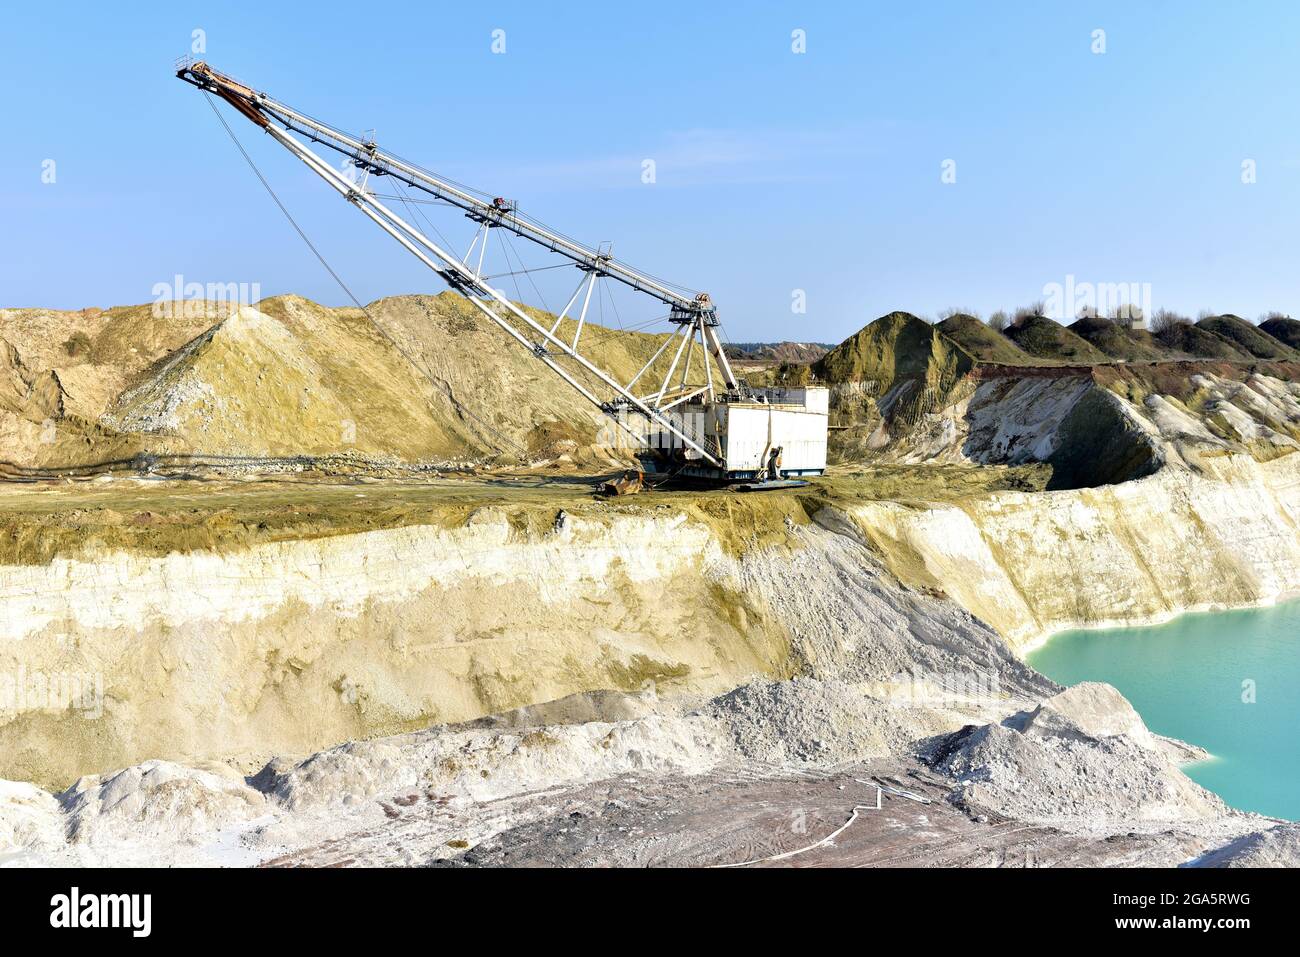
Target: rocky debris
601 705
245 386
427 382
1092 708
802 721
159 800
1064 782
1175 423
880 671
290 378
851 621
813 722
887 378
1101 712
904 391
485 765
1262 412
30 819
1277 847
15 380
1019 420
1082 760
880 668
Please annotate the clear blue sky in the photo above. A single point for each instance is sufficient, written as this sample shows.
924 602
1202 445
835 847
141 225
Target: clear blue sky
775 171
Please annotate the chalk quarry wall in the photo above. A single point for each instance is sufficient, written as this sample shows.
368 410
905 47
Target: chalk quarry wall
286 647
1139 552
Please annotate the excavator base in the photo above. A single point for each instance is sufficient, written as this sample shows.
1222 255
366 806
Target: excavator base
767 485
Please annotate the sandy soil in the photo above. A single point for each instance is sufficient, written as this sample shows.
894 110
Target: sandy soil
64 517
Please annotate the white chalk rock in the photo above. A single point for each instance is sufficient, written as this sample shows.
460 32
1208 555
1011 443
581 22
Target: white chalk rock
1276 847
1096 709
30 818
159 799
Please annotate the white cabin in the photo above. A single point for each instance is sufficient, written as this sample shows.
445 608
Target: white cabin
745 431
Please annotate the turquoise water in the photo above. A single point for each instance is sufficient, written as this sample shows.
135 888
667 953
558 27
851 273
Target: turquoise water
1188 679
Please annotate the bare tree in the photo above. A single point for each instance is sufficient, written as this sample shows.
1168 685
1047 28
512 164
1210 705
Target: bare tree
1028 312
1164 319
1272 315
1206 314
999 320
957 311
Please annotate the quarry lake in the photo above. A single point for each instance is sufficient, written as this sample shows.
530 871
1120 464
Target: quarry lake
1194 678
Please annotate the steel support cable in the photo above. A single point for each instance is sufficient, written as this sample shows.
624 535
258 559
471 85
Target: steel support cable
527 272
601 335
514 278
412 199
415 212
508 248
418 213
613 305
459 407
381 164
591 382
531 269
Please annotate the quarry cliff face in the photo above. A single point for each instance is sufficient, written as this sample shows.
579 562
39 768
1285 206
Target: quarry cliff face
1140 552
286 647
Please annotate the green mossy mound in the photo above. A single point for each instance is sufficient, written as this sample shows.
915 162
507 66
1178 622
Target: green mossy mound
1286 331
1120 342
1246 336
1199 343
896 346
1047 339
984 343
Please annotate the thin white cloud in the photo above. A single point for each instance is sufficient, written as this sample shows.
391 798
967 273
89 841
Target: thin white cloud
700 157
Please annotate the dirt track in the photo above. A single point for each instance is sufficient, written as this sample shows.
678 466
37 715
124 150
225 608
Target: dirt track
743 818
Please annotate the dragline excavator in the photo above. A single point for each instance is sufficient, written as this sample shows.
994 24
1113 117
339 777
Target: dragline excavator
710 427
